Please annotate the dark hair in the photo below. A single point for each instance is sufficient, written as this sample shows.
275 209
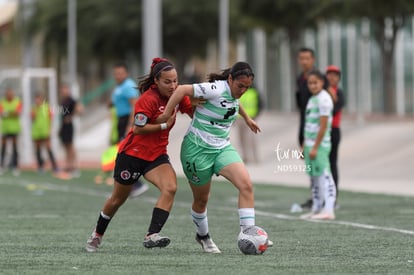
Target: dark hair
121 64
318 74
237 70
307 50
158 66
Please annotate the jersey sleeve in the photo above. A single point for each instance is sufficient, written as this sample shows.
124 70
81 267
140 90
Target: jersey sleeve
185 106
207 90
325 105
145 110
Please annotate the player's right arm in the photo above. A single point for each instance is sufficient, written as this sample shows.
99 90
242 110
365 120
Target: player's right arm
141 127
176 98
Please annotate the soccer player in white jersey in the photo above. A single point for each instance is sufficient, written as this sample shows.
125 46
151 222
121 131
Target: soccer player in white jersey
317 146
206 148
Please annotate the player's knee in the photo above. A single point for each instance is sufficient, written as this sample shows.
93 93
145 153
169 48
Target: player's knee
246 187
169 189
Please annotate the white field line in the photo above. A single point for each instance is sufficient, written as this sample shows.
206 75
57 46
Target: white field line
92 192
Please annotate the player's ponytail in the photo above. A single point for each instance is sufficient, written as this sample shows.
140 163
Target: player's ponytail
158 66
237 70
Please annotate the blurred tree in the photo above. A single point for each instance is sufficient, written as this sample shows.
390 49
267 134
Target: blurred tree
386 18
294 16
107 30
189 25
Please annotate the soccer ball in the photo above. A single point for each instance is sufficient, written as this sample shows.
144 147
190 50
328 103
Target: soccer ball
253 240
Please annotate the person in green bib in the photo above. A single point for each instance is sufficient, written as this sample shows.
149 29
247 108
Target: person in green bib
41 125
252 105
10 110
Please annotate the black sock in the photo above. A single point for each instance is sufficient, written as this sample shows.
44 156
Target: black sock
159 218
102 224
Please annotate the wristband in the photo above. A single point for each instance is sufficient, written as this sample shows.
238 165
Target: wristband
163 126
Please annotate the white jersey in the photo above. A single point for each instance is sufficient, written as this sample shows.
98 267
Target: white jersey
212 121
318 105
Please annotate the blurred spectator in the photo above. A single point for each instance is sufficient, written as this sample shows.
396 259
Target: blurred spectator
10 110
252 104
333 75
41 126
124 97
69 108
306 60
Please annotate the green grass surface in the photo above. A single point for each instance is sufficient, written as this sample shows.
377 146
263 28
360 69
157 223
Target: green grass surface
45 223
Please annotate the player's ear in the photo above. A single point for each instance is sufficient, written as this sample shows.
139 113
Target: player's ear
230 79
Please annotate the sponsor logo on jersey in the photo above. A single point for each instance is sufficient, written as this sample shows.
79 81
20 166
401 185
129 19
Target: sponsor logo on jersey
135 175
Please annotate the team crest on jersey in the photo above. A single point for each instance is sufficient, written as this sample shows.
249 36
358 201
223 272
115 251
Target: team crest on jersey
125 175
140 119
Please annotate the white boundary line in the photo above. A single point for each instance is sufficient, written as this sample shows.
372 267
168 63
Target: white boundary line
91 192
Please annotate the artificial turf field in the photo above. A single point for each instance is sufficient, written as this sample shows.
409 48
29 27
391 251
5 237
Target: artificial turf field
45 223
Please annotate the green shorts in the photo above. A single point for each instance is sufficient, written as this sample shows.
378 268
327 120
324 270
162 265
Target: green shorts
320 164
200 162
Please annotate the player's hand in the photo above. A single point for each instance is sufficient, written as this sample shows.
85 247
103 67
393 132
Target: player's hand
197 101
162 118
171 120
253 125
313 153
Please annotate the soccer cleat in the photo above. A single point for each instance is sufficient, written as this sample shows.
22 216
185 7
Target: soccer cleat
207 244
155 240
326 215
93 242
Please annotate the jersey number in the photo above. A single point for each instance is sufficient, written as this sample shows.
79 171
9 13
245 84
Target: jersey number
191 167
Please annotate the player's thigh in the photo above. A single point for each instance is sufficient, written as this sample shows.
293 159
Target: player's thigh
163 177
197 162
229 165
320 163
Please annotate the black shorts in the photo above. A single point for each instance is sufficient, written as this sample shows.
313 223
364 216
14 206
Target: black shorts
128 169
7 136
66 133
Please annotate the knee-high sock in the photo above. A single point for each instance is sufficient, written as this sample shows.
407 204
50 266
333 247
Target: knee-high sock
102 223
329 190
201 222
159 218
246 217
317 194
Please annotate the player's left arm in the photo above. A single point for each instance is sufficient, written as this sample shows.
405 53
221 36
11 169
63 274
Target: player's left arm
249 121
323 125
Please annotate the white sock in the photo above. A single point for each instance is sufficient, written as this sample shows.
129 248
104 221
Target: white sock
329 191
317 194
246 216
201 222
